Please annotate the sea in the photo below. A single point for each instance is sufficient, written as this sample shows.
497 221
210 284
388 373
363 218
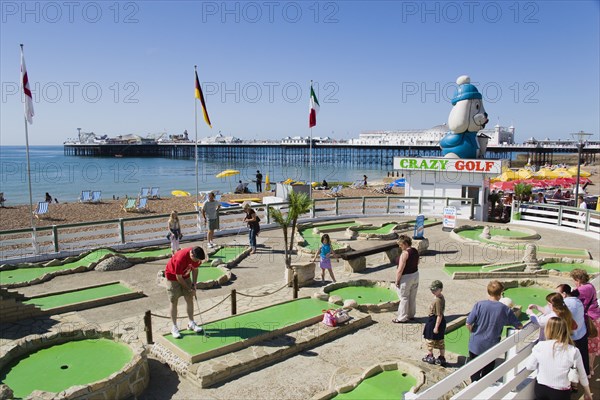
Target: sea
64 177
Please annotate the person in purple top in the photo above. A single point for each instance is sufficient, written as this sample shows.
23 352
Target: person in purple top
485 322
587 295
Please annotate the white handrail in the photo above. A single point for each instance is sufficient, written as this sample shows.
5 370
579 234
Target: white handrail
476 389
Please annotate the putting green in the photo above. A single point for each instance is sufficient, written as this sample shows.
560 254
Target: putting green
244 326
366 294
568 267
79 296
313 240
473 234
208 273
225 254
457 341
450 269
26 274
59 367
385 385
383 230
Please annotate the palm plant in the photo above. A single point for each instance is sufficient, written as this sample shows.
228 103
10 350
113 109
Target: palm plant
298 204
522 192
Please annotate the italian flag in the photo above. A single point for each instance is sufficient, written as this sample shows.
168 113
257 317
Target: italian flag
314 108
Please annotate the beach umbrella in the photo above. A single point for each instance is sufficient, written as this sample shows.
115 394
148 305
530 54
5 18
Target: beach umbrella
573 171
179 193
227 173
267 184
503 185
524 174
560 173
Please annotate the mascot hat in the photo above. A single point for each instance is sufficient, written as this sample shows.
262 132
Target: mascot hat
465 90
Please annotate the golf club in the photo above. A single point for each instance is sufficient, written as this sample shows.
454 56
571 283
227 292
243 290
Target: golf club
200 315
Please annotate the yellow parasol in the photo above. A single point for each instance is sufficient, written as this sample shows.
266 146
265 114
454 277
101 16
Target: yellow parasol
267 184
179 193
523 174
560 173
227 173
543 173
582 173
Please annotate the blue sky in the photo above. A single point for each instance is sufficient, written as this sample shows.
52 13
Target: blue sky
128 67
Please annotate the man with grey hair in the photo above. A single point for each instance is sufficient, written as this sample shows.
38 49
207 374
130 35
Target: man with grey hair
210 212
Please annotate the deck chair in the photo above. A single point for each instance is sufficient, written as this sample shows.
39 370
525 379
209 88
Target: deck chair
42 209
96 196
129 205
335 191
142 205
154 193
86 196
144 192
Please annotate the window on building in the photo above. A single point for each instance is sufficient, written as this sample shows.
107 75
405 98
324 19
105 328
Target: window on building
471 192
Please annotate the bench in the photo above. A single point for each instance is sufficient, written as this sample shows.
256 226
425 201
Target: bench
356 261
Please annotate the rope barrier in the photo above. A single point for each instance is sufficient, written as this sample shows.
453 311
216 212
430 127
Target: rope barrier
198 313
263 295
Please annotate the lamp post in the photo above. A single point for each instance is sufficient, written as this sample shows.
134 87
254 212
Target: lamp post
580 137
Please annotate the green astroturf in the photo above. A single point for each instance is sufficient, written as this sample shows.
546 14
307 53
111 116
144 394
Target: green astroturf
366 294
473 234
313 240
385 385
59 367
240 327
450 269
385 229
568 267
524 296
206 274
26 274
78 296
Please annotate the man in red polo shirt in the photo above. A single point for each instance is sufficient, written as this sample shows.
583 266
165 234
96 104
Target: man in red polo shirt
180 284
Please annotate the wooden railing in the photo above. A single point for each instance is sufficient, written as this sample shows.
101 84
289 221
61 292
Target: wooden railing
557 215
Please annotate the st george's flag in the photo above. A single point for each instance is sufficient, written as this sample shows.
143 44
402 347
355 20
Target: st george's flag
200 97
314 108
26 90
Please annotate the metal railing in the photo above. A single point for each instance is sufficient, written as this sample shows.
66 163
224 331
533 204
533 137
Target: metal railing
63 240
508 380
558 215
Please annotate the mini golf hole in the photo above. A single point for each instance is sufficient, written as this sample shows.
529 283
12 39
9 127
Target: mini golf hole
360 297
404 374
64 366
10 276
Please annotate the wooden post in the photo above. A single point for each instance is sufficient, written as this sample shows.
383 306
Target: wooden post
55 238
295 281
233 302
148 327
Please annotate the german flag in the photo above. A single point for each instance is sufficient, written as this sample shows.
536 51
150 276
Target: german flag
200 97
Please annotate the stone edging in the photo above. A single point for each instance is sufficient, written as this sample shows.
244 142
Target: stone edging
89 267
130 381
323 294
354 232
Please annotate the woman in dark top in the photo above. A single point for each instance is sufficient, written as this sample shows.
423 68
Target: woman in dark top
407 280
253 224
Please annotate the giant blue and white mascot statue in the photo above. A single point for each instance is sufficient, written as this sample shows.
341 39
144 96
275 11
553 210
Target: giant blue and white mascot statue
466 119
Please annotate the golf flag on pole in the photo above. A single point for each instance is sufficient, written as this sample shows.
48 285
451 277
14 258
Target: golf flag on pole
200 97
26 90
314 108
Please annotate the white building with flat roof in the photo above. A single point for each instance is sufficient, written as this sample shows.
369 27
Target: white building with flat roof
427 137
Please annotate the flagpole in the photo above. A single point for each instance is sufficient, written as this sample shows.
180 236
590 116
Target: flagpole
310 154
33 233
196 140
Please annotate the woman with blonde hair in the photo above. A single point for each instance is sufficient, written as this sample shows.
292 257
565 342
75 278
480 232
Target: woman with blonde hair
556 308
174 231
587 295
552 360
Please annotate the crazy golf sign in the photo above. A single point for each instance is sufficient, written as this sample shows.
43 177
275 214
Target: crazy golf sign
448 165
